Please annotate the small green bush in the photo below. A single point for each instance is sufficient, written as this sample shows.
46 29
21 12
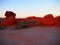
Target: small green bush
24 24
17 27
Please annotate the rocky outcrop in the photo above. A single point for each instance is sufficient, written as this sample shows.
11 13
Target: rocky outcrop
49 20
9 13
10 19
31 21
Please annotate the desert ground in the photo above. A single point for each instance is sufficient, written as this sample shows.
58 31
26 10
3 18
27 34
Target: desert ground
30 36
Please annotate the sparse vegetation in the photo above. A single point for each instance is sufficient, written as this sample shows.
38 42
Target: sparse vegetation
2 27
24 24
21 25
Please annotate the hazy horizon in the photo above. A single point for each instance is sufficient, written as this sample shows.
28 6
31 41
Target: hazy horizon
25 8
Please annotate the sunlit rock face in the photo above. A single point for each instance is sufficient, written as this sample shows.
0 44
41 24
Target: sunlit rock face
58 19
49 20
49 16
10 19
31 18
21 20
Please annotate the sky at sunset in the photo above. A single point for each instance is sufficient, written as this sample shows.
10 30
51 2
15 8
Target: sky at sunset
25 8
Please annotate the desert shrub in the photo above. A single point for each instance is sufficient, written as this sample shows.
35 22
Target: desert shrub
25 24
32 23
21 25
2 27
18 27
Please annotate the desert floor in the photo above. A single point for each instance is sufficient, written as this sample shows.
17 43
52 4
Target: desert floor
31 36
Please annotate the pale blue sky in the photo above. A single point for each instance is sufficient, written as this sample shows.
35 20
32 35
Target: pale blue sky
25 8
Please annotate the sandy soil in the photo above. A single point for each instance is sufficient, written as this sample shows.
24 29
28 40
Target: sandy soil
31 36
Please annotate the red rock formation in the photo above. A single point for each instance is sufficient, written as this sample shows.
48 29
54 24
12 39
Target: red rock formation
9 13
58 19
33 21
49 16
38 21
31 18
49 20
10 19
21 20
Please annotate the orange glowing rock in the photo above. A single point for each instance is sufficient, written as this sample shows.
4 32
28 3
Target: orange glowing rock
49 16
58 19
21 20
38 21
31 18
32 21
10 19
49 20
